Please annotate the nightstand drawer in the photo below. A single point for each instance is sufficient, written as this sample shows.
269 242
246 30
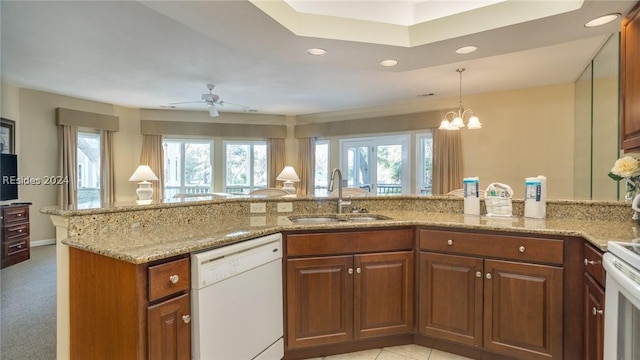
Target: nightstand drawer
16 214
16 246
15 231
168 278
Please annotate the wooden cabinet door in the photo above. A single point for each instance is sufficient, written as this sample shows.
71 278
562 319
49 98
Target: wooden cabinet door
523 310
170 329
383 294
451 297
630 80
593 319
319 300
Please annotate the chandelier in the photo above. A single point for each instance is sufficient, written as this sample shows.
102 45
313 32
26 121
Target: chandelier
455 120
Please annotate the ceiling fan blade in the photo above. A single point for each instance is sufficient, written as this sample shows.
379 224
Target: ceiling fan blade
186 102
245 108
213 111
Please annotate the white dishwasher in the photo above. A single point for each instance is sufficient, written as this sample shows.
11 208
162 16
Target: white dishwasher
237 301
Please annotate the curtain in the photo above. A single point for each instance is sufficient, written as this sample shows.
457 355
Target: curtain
153 155
275 160
447 161
107 176
68 164
306 165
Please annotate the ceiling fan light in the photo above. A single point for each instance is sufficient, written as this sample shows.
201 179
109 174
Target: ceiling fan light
474 123
213 112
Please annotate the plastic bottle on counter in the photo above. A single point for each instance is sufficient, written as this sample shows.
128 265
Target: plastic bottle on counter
535 198
471 187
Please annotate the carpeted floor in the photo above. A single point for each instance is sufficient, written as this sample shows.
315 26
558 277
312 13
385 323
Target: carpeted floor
28 307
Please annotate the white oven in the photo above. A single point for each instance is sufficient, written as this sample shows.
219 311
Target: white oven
622 301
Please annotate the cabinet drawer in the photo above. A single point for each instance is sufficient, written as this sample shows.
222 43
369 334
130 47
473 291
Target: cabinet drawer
15 246
16 231
499 246
349 242
593 263
16 214
168 278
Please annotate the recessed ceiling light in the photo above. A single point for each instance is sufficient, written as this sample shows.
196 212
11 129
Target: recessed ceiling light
390 62
466 49
602 20
316 51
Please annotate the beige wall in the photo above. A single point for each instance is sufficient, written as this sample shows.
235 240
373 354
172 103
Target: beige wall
526 132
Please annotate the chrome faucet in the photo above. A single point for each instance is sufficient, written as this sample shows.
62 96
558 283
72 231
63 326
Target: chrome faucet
341 203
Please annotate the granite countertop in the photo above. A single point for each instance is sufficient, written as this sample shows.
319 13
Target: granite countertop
143 244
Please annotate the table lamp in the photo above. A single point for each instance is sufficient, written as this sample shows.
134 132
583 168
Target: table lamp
288 175
143 174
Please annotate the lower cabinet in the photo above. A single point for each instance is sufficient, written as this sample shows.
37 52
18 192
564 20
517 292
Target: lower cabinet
508 307
594 278
120 310
170 329
338 298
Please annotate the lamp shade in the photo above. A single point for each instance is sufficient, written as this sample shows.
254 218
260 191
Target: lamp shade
288 174
142 173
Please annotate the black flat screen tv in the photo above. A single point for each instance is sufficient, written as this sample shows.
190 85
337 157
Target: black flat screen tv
8 177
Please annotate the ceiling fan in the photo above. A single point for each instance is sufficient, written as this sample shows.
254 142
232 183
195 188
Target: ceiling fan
212 100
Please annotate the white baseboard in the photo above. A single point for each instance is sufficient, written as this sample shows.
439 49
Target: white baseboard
43 242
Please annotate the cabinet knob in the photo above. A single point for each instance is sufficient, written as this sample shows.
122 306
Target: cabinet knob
174 279
186 319
19 246
19 214
350 271
488 276
478 274
590 262
522 248
450 242
19 230
595 311
358 270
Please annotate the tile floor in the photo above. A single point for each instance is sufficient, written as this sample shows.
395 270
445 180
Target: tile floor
403 352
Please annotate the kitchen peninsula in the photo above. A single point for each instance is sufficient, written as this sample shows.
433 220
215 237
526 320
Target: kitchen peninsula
141 235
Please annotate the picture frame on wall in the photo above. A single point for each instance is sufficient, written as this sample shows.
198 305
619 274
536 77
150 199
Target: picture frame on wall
7 136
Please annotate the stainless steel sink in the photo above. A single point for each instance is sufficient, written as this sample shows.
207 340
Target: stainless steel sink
367 218
311 219
314 220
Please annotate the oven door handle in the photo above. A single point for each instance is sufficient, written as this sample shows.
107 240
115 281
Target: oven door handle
625 275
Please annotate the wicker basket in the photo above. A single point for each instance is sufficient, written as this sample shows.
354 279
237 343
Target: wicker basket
498 205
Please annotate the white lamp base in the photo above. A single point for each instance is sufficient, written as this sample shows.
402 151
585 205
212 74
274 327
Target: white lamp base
144 190
288 187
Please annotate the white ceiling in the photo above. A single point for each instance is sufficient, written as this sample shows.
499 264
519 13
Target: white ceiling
150 54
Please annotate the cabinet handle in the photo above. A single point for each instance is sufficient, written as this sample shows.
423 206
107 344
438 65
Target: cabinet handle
20 247
19 230
595 311
522 248
19 214
350 271
450 242
174 279
479 274
488 276
358 270
590 262
186 319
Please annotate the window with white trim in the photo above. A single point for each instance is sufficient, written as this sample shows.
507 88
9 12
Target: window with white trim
188 167
245 166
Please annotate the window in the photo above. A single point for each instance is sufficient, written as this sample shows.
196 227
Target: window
245 166
321 168
187 167
425 163
379 164
88 156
